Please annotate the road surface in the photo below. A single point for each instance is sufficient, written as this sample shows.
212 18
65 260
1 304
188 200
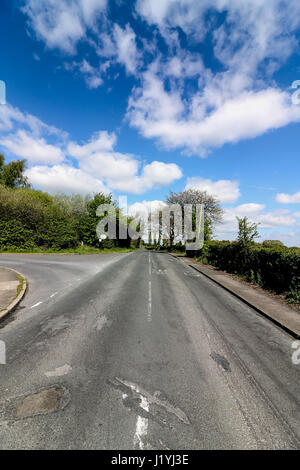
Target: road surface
139 351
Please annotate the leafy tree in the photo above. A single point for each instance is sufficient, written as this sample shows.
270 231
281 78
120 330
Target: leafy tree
89 222
273 243
30 218
213 212
12 173
74 205
247 231
212 208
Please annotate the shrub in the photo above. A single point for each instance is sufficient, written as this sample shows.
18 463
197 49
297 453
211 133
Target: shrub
30 218
276 269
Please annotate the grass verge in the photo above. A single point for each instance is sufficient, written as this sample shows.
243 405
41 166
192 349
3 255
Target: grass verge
71 251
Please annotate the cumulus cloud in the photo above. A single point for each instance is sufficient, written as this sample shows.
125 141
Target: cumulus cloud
64 178
122 172
256 213
100 166
161 114
145 207
62 24
284 198
225 190
229 105
35 150
101 141
249 40
260 29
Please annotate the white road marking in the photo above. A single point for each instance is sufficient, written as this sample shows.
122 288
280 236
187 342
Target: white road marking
141 429
53 295
149 318
161 271
36 305
59 371
190 274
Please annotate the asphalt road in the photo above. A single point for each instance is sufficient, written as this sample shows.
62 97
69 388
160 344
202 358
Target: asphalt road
139 351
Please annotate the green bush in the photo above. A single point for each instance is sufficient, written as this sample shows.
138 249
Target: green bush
276 269
30 218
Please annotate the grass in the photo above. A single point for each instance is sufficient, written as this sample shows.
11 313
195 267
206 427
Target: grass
20 286
82 250
19 290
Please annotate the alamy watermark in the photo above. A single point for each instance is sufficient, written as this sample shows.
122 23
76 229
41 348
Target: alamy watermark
2 92
172 224
296 353
296 94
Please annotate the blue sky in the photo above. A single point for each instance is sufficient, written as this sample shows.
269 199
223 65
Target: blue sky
142 97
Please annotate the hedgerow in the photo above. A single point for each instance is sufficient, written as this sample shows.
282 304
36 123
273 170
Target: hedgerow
30 218
276 268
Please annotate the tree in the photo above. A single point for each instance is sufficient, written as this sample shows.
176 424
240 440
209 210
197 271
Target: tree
213 212
247 231
90 220
12 173
273 244
212 208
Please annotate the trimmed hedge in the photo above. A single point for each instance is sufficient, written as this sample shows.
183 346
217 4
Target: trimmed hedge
274 269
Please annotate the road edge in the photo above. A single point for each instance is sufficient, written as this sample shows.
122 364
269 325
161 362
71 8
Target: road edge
288 330
11 307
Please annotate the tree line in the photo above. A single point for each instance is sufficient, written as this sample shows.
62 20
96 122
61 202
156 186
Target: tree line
31 219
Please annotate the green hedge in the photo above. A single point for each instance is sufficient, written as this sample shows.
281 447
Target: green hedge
30 219
275 269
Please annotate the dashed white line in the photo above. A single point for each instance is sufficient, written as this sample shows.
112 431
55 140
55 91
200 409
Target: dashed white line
36 305
149 317
53 295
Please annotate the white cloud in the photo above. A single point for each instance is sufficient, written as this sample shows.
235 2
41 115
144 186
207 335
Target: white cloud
233 104
25 136
277 219
91 74
163 115
121 171
126 50
61 24
225 190
260 29
10 117
255 213
101 141
284 198
145 207
35 150
64 178
288 238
